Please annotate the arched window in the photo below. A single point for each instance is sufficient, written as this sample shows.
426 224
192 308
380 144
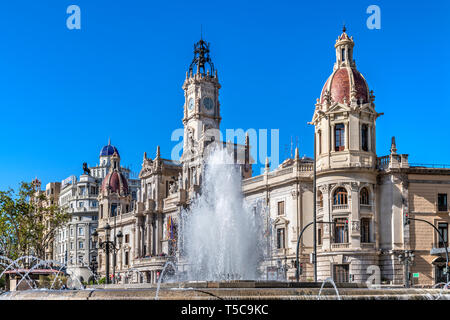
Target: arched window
364 196
340 196
339 137
319 199
365 137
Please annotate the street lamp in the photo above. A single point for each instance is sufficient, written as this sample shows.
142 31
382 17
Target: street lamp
108 246
406 259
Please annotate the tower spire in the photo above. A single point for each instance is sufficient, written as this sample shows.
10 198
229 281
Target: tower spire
393 146
202 58
344 50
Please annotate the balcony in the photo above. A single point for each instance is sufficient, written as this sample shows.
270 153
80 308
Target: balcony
340 207
344 245
438 248
365 207
367 245
150 261
392 161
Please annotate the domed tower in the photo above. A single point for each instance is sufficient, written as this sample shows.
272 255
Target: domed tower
114 197
106 153
344 120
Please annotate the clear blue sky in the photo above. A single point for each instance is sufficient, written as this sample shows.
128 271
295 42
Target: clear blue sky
64 92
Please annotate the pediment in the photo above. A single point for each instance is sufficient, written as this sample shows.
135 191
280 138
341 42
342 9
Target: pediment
280 220
368 108
338 107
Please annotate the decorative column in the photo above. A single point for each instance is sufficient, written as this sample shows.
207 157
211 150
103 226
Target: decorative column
355 234
347 140
332 137
149 233
138 237
134 248
326 238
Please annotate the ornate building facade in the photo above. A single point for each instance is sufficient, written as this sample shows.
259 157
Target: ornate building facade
79 197
360 203
150 227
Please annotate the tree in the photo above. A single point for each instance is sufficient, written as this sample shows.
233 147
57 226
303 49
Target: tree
28 221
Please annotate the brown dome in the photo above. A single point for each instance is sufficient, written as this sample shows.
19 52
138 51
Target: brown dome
115 182
339 85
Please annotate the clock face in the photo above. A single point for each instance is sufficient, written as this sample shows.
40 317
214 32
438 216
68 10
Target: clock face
208 103
191 104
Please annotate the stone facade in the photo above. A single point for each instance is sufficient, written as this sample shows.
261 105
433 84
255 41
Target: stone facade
168 186
360 198
79 197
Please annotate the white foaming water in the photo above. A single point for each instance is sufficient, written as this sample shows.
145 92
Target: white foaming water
222 235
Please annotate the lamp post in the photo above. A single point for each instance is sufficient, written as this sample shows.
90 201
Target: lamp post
115 256
407 259
406 221
297 262
108 245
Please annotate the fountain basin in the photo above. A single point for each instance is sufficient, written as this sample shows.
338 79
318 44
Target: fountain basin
230 290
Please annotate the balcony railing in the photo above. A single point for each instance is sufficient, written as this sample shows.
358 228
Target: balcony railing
392 161
438 248
367 245
366 207
344 245
340 207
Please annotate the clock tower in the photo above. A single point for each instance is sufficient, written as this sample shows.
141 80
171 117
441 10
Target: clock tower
201 117
201 93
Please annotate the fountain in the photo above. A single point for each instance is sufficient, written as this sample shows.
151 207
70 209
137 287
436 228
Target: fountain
222 245
329 280
162 275
222 237
15 265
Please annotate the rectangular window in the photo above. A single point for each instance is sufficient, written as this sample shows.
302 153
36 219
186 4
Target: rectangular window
340 273
340 230
126 258
443 230
364 137
127 238
365 230
319 236
113 210
280 238
320 141
81 245
81 231
339 137
281 208
167 188
442 202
